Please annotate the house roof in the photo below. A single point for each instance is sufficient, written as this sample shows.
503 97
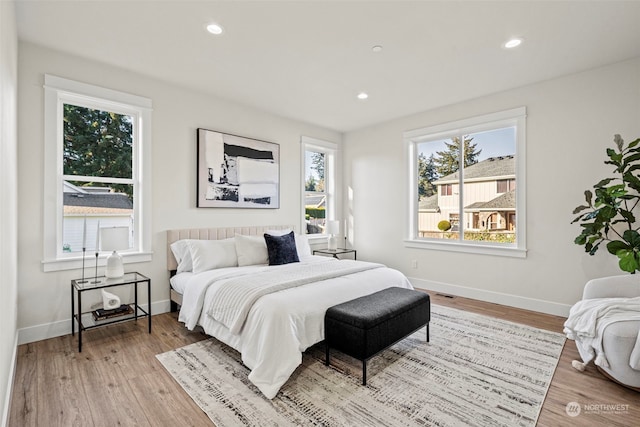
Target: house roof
99 200
429 203
491 168
503 202
316 200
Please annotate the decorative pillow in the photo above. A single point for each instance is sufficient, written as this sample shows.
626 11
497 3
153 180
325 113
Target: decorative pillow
182 254
211 254
251 250
302 241
281 249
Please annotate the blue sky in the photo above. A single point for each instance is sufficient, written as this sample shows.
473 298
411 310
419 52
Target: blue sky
498 142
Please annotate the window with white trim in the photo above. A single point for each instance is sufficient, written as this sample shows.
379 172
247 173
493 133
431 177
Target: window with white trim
318 183
462 185
97 171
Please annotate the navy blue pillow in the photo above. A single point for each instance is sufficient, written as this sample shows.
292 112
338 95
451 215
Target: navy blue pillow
281 249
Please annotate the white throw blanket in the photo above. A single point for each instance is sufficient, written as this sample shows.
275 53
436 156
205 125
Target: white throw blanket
234 298
590 317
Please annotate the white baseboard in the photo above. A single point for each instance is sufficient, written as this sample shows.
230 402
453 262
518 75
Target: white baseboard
63 327
532 304
12 373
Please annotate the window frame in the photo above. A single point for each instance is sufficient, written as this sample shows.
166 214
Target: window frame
57 92
330 149
514 117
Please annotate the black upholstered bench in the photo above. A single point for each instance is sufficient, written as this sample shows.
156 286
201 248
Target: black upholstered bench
365 326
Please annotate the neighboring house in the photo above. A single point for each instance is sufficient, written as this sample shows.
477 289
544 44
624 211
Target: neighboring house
489 199
315 201
95 204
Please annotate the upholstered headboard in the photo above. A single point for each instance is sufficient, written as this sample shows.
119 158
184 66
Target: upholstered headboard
213 234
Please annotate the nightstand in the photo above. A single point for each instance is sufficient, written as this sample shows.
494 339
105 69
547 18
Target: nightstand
87 320
335 252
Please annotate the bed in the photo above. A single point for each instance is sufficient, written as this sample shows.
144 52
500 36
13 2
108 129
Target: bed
222 281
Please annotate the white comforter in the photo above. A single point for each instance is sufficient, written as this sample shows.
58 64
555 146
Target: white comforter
280 325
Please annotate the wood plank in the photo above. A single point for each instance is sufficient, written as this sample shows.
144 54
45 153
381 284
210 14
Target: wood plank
25 389
166 403
61 397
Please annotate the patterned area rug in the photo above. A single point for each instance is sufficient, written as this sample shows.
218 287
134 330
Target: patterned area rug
476 371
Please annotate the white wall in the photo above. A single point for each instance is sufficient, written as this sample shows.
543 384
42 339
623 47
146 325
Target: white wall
43 300
570 123
8 201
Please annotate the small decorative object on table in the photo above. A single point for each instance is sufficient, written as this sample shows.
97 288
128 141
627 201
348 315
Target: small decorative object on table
109 300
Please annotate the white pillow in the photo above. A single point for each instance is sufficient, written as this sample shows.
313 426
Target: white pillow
302 245
302 241
211 254
251 250
182 254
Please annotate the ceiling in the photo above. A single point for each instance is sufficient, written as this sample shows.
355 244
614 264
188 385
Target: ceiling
307 60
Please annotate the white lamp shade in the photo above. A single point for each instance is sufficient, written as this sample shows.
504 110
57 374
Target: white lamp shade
114 239
333 227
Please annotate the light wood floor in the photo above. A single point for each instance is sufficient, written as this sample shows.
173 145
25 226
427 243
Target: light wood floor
117 380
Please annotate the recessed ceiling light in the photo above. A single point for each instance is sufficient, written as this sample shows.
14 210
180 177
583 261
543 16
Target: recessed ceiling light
377 48
513 43
214 28
363 95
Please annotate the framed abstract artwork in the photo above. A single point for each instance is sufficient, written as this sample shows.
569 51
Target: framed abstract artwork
237 172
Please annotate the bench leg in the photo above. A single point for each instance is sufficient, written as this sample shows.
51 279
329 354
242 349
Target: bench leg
427 332
326 357
364 372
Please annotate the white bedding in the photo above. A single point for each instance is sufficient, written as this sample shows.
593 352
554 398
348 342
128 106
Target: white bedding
280 325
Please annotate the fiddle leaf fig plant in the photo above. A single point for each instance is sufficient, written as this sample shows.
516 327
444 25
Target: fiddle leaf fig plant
609 217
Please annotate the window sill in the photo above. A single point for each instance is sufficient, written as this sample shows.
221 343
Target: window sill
473 248
74 263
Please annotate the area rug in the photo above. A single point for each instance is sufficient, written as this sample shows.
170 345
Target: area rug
475 371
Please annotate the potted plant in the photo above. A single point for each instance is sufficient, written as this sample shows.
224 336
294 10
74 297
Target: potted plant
610 218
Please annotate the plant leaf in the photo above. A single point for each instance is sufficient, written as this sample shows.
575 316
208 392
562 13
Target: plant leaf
628 261
580 209
616 246
604 182
633 238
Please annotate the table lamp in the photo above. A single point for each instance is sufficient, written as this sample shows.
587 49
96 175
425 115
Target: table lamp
333 228
114 239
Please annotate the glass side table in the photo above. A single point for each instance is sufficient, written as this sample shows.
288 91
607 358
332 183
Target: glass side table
89 320
335 252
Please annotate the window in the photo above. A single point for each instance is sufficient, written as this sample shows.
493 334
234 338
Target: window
318 183
97 166
505 185
462 185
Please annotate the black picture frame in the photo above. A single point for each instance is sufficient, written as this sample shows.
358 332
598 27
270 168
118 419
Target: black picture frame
237 172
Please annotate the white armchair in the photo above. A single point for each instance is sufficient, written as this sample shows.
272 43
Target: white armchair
620 338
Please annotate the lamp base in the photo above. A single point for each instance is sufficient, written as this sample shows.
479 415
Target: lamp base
115 268
332 243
